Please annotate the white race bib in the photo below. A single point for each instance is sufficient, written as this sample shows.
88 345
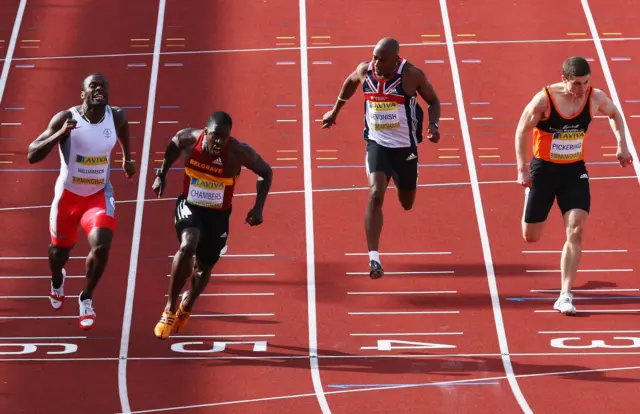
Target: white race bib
206 193
90 169
566 146
383 116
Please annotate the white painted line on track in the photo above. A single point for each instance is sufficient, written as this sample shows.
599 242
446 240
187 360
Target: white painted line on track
123 392
40 338
417 292
308 213
407 334
11 47
583 290
317 190
583 332
426 272
222 336
406 313
400 254
584 251
384 388
479 210
226 294
39 277
610 84
280 49
579 270
230 315
590 310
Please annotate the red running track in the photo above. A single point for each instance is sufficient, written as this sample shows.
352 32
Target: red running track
441 296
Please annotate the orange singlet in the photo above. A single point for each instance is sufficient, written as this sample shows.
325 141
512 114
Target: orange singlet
558 138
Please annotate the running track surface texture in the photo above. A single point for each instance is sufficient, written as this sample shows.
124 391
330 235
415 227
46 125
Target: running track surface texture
291 323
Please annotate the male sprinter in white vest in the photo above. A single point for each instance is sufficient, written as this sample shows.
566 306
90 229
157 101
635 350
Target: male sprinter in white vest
392 131
83 195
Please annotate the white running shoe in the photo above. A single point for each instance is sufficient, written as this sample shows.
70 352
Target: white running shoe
87 314
564 304
56 296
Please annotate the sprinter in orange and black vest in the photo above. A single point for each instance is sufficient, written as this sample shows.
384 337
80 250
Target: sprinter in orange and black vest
559 117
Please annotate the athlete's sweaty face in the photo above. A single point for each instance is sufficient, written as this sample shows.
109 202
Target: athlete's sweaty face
578 85
217 136
95 91
384 62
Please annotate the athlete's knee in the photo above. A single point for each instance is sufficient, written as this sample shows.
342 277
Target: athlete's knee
407 198
376 195
59 252
575 228
532 232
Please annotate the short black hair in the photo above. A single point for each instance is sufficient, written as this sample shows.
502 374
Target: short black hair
575 66
220 118
96 74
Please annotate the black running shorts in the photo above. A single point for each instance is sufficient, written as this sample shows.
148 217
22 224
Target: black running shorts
401 164
213 226
566 183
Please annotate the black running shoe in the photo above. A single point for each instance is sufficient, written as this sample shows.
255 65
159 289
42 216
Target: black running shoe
375 270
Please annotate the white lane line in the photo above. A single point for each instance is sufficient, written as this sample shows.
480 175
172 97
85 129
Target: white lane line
123 392
226 294
482 226
426 272
308 214
406 313
609 78
318 190
416 292
38 317
583 332
171 256
590 310
222 336
39 277
407 334
32 297
37 258
579 270
230 315
584 251
583 290
11 47
400 254
39 338
239 274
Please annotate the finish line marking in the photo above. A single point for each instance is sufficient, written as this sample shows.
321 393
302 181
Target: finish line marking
455 382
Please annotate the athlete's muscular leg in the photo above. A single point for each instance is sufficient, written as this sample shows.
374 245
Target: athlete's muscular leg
199 281
100 242
373 219
574 222
58 257
182 266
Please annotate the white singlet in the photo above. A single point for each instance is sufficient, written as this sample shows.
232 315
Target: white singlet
85 156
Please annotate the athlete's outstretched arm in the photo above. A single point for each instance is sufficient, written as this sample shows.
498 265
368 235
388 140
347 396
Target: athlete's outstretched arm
59 127
253 161
349 87
122 126
530 117
183 140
